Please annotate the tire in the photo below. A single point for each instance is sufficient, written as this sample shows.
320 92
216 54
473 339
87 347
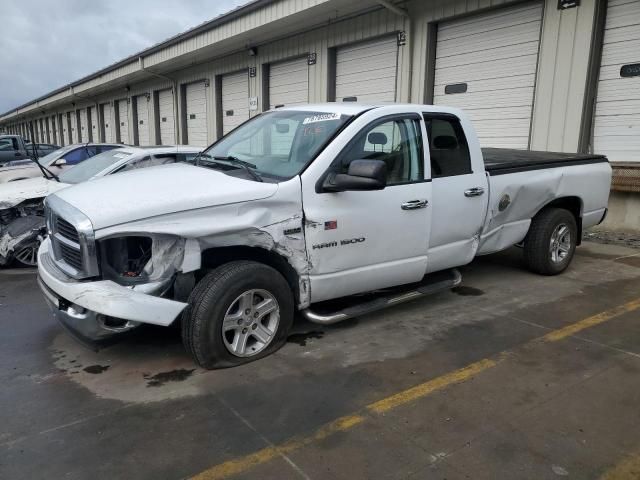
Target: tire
219 295
547 250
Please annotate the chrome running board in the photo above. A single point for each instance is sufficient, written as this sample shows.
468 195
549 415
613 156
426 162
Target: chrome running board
432 283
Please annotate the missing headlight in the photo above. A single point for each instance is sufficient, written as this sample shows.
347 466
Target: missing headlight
126 257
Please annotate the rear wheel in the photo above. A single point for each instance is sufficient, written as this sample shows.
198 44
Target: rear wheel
238 313
551 241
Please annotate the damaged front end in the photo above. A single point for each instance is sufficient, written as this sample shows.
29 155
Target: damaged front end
22 229
136 275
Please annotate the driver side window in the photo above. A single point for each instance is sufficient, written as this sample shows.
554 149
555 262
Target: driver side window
396 142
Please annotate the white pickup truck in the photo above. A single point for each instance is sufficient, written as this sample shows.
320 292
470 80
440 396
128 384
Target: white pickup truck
302 205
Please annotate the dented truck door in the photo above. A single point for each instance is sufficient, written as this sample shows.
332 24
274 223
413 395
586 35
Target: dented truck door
460 191
364 240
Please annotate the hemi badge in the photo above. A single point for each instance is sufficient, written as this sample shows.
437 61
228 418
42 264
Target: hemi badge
331 225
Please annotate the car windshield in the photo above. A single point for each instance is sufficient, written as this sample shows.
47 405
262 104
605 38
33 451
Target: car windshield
92 166
48 159
278 144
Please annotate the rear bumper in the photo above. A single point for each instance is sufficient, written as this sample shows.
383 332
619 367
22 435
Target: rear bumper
98 310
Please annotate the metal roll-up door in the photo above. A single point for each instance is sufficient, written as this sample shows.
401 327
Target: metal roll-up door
166 115
107 119
486 65
66 129
142 119
47 129
62 129
54 130
123 121
367 71
95 129
196 112
84 126
74 128
616 131
235 100
289 83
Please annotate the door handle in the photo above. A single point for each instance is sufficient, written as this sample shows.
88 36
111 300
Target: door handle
474 192
414 204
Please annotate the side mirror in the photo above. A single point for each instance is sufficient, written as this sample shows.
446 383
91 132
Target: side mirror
362 175
60 162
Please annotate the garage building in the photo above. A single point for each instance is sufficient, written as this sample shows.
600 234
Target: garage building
557 75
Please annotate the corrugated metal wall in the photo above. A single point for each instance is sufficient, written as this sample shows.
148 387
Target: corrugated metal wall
560 80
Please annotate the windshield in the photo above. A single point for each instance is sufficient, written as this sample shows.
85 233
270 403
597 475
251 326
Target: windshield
279 144
48 159
92 166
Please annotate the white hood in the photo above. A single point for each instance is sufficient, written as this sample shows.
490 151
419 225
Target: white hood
13 193
149 192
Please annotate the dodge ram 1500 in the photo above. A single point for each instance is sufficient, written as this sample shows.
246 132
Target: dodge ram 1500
302 205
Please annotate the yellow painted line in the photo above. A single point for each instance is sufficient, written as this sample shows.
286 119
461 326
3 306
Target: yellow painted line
628 469
234 467
342 424
427 388
597 319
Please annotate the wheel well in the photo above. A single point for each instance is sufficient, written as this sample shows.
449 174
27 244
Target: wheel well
214 257
572 204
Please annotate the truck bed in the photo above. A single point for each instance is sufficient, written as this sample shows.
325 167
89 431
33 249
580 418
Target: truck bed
500 161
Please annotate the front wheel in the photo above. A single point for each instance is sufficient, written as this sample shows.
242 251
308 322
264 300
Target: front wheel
551 241
238 313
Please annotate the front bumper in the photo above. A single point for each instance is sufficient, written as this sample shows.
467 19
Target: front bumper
97 310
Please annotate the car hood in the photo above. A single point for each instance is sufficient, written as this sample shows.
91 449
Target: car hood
13 193
162 190
8 171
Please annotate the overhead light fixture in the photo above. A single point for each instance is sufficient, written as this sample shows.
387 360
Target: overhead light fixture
253 51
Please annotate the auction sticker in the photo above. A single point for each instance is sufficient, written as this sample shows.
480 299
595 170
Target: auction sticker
323 117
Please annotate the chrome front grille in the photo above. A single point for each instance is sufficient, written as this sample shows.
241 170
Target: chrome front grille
67 230
72 256
72 239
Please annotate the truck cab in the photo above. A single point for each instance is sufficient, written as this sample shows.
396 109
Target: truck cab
13 148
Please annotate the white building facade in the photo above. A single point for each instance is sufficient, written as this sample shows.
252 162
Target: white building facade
561 75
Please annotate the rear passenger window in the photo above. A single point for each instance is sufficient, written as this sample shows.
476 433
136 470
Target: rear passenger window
447 146
106 148
76 156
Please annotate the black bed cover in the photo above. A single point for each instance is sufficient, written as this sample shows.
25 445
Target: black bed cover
500 161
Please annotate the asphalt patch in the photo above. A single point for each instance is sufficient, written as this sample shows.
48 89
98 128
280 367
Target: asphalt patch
467 291
96 369
301 338
161 378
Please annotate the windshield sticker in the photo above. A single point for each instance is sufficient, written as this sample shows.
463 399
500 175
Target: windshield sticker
314 130
323 117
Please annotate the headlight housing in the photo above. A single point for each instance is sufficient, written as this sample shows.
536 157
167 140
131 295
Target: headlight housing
136 259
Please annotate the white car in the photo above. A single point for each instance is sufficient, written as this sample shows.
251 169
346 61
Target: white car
21 209
55 162
301 205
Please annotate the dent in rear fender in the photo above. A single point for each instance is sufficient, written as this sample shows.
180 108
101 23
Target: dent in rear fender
528 192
